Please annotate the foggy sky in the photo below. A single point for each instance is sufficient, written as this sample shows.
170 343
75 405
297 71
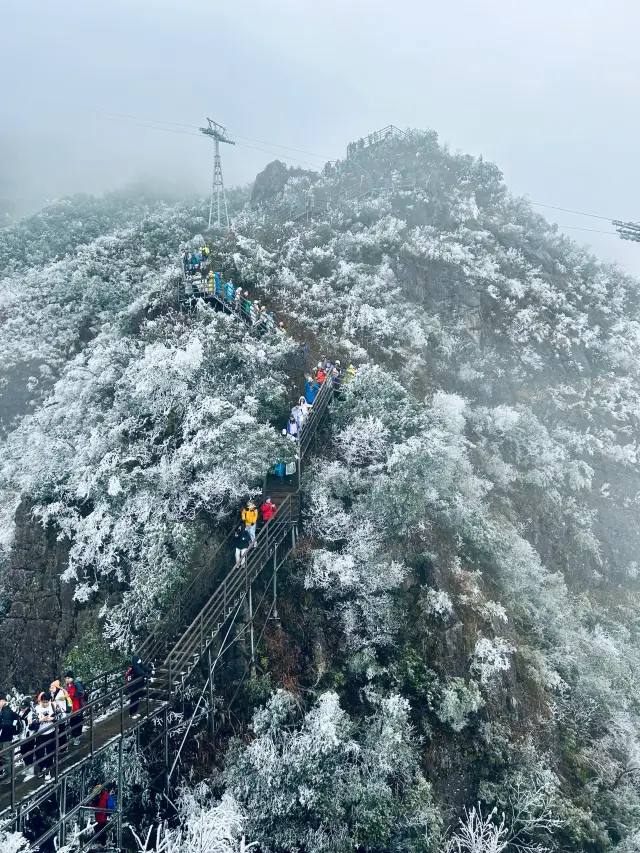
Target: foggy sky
547 90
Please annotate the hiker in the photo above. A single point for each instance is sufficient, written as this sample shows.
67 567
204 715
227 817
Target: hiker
62 702
320 373
104 804
291 429
268 509
245 305
229 291
9 726
241 540
311 389
211 283
349 374
297 413
281 328
306 409
280 470
78 694
27 735
186 261
263 319
249 515
136 675
47 715
336 373
218 284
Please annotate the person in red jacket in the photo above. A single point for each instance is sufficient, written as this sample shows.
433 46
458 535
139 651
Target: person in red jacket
268 509
75 689
105 805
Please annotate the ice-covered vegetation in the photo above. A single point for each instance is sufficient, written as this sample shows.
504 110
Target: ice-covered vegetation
466 597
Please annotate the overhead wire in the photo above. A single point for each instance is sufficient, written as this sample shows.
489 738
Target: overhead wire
311 154
200 136
567 210
592 230
195 127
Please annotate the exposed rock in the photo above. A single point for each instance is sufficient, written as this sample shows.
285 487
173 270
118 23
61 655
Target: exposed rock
272 180
40 616
269 182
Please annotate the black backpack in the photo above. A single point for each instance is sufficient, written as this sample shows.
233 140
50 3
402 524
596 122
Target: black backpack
81 693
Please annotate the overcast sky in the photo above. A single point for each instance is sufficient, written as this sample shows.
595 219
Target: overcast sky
547 90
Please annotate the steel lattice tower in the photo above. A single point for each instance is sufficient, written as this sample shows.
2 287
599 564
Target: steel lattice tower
218 134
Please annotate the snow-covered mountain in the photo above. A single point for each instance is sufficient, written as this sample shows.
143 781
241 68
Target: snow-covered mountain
459 622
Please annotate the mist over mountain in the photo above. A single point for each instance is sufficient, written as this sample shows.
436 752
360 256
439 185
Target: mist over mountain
455 664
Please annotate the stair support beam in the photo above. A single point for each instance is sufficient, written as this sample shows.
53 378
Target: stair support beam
252 668
211 701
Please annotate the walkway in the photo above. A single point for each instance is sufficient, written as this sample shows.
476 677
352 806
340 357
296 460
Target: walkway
210 603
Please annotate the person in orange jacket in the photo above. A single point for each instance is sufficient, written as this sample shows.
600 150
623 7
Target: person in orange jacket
268 509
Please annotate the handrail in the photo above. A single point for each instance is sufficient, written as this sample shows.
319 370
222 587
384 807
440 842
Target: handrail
198 636
189 601
191 598
108 700
97 710
353 192
231 306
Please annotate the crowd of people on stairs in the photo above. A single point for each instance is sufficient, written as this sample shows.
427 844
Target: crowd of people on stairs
202 282
55 719
326 371
52 705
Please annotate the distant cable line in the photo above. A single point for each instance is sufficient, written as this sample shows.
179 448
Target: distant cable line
195 127
188 133
176 124
566 210
592 230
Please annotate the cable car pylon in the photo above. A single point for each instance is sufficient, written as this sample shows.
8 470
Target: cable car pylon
218 134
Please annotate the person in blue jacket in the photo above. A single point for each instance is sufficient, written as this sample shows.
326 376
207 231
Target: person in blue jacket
229 291
216 275
311 388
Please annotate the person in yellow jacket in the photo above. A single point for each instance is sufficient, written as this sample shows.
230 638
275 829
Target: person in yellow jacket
349 373
210 282
249 515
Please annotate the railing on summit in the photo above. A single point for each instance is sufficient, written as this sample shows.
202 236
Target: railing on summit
196 287
369 185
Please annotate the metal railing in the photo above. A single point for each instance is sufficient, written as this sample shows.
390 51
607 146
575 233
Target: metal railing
200 634
107 717
352 193
194 288
52 749
194 597
198 637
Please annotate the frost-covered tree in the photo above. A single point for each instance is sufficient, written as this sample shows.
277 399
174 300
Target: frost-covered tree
319 782
141 438
205 825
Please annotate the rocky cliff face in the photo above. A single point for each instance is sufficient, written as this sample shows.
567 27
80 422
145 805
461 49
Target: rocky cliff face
39 616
